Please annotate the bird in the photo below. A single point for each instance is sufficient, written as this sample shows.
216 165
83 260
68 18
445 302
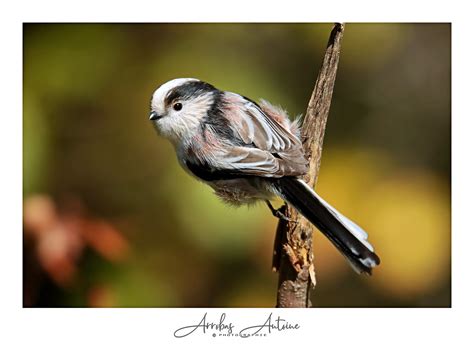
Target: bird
249 152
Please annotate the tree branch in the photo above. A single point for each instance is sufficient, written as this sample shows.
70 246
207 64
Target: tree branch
293 249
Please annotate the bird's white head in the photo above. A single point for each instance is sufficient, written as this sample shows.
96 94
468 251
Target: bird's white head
178 107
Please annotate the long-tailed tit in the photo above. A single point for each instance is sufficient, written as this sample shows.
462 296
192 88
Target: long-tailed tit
248 152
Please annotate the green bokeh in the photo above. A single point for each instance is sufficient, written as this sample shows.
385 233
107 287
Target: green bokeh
87 136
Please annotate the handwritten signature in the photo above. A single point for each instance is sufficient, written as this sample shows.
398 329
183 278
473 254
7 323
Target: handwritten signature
223 328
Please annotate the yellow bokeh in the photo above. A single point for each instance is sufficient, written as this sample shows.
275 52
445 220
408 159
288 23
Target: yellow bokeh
410 215
405 212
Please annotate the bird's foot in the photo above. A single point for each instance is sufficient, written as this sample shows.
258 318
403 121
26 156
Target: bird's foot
279 213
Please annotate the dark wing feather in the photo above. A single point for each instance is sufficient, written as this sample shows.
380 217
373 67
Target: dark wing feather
271 149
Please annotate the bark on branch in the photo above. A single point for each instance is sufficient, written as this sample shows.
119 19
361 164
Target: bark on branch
293 250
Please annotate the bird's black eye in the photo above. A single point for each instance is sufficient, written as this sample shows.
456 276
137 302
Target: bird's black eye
177 106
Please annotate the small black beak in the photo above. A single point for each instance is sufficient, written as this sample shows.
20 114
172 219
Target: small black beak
154 116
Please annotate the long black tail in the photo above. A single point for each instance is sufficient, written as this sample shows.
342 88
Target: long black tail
349 238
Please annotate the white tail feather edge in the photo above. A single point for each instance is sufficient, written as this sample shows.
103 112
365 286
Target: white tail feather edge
358 232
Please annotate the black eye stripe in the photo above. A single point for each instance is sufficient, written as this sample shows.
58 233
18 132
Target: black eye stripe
188 90
171 96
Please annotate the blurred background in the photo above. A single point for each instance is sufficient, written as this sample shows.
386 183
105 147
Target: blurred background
111 219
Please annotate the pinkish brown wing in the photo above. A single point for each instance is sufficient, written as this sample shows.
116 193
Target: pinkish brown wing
277 151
